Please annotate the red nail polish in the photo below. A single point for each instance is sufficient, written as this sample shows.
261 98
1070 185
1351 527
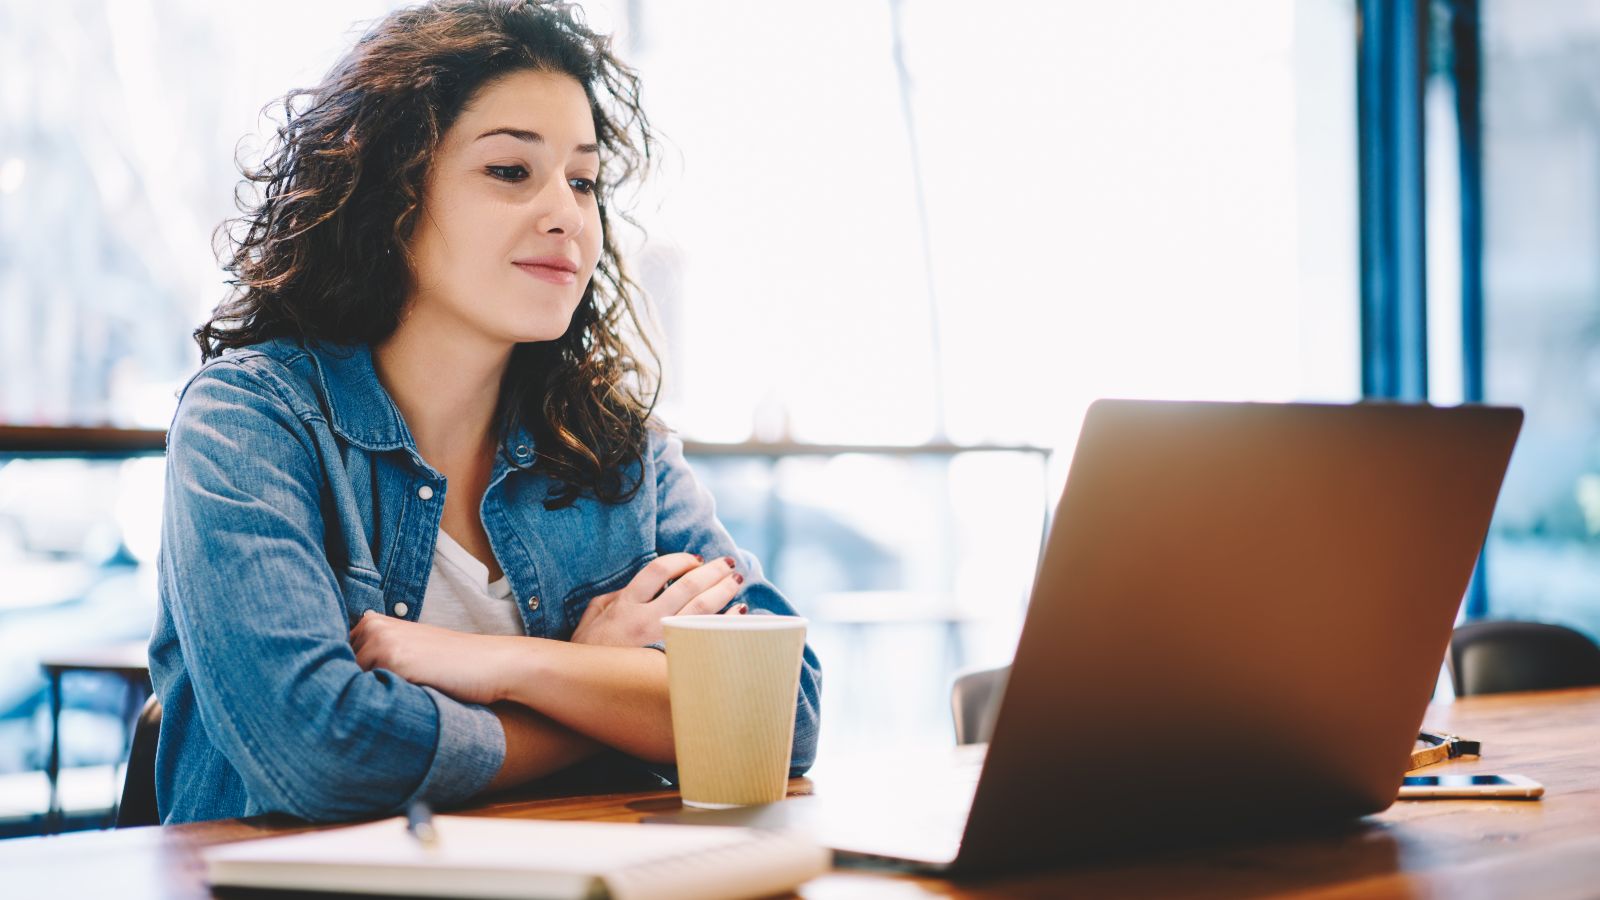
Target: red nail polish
729 561
738 579
743 610
699 558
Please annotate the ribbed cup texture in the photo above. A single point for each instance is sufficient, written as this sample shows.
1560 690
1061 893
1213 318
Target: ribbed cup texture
733 706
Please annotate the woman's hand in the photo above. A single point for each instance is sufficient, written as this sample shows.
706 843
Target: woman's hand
677 584
472 668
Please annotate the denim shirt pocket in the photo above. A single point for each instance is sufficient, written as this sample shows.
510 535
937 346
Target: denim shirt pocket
577 601
362 590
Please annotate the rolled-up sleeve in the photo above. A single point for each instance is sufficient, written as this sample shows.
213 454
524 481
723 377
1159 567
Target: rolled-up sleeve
686 521
263 630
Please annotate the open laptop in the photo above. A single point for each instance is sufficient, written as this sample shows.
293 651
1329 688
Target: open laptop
1236 627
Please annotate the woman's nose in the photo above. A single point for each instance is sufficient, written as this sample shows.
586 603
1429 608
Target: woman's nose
558 211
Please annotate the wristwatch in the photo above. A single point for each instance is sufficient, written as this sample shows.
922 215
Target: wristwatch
1442 746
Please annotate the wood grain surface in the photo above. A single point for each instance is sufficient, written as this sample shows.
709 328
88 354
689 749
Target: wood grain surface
1548 848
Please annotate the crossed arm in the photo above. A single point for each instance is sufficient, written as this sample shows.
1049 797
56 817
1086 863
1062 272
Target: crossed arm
559 701
307 728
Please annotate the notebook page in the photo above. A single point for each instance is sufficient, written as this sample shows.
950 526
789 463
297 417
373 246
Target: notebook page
486 857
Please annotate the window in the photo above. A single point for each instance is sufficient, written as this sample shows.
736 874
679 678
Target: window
1140 199
1541 113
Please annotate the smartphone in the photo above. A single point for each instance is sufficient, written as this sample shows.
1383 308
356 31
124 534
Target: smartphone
1471 786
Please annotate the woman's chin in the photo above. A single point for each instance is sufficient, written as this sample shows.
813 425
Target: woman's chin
549 325
538 334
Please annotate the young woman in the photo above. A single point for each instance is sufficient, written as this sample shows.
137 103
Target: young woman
420 527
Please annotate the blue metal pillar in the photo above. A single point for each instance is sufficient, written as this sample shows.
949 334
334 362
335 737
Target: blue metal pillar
1466 58
1391 68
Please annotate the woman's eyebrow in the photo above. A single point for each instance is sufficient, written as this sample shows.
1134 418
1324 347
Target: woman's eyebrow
532 137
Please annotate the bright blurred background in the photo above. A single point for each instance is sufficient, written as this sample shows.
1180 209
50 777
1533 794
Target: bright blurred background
895 249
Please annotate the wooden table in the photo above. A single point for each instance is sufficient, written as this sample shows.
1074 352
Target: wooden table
129 662
1440 848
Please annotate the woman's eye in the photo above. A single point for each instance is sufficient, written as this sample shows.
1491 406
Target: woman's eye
582 185
508 173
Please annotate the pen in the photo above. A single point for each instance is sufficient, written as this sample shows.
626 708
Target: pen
419 822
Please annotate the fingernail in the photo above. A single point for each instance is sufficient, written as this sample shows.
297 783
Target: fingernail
738 579
743 609
729 561
699 558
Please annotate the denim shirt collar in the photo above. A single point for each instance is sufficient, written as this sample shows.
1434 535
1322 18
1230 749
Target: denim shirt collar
363 413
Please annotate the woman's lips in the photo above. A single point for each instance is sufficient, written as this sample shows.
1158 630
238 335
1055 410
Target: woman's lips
551 274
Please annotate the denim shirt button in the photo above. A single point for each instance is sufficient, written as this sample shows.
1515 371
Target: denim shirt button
425 492
533 604
400 609
522 451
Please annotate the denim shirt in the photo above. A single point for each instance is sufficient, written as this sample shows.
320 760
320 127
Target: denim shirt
295 502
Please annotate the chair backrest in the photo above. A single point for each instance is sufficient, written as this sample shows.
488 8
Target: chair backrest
975 701
1494 657
138 806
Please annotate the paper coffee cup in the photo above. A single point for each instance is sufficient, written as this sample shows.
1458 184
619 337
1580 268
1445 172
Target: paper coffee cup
734 681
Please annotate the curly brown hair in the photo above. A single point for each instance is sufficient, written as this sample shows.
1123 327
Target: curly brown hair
320 253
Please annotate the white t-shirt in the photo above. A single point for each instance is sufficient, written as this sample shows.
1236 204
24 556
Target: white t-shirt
460 596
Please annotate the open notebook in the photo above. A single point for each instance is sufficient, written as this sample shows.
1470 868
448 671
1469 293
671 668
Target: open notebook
519 858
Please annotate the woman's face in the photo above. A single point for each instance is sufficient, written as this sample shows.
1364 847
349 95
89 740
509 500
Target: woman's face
509 230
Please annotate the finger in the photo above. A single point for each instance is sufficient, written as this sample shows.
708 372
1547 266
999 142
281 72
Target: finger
714 598
358 634
364 640
649 581
690 585
364 655
598 605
